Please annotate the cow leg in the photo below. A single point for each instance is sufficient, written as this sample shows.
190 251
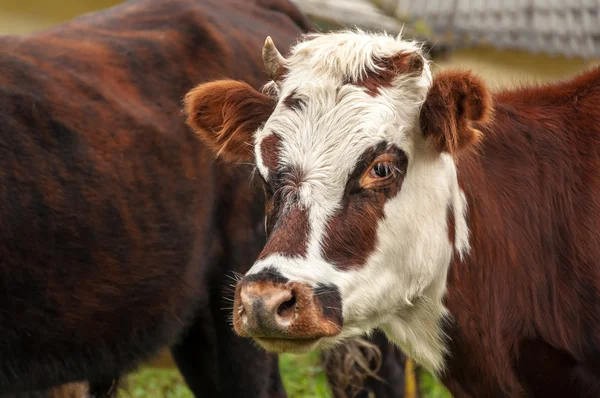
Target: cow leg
104 388
346 373
256 370
213 360
196 357
216 363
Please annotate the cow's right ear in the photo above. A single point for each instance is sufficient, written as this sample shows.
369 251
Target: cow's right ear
225 114
455 100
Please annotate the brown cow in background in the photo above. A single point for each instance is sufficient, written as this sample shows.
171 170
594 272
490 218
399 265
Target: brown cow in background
117 227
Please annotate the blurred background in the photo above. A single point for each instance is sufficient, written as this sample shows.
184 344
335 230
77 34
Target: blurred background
506 42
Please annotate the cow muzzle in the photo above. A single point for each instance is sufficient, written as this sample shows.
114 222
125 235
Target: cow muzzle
285 316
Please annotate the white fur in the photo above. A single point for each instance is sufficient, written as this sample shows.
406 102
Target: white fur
401 286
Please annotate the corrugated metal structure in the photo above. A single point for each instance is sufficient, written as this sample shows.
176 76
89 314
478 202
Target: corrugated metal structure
365 14
562 27
343 13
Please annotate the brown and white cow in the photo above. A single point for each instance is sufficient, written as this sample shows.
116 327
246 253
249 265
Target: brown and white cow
463 224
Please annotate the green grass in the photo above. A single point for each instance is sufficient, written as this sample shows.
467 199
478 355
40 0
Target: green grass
302 378
155 383
431 388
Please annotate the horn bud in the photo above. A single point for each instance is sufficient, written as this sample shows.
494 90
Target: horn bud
273 60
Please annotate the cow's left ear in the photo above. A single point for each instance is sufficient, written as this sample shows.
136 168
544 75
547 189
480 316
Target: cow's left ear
225 114
455 100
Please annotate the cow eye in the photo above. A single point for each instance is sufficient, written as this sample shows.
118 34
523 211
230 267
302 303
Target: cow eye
381 170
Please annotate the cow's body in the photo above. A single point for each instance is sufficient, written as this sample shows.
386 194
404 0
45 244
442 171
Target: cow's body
117 227
525 303
400 200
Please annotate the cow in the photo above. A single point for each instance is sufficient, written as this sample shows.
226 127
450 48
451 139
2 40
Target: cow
459 221
117 227
119 231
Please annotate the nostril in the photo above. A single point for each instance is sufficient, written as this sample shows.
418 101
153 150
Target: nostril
287 308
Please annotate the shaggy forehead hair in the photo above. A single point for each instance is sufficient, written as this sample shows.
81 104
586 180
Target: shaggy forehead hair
344 55
325 119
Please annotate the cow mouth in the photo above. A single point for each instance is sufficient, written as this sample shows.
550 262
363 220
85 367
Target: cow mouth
292 346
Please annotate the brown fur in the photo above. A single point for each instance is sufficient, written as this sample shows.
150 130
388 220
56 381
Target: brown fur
269 151
525 302
290 234
360 210
285 215
225 114
388 70
455 100
117 225
451 226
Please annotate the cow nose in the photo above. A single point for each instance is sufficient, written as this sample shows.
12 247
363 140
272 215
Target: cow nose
270 309
267 310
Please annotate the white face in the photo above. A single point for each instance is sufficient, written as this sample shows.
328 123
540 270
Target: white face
372 201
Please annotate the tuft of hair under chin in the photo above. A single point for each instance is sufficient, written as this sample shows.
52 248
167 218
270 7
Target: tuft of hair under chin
349 365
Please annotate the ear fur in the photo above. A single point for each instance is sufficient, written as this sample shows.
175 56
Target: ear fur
455 99
224 114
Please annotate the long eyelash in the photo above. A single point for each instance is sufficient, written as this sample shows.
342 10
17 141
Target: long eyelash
400 172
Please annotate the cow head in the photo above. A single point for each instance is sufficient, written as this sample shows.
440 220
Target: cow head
356 145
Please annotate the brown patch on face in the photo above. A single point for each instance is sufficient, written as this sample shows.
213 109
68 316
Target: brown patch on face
388 70
281 188
454 101
269 151
451 225
290 232
352 232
